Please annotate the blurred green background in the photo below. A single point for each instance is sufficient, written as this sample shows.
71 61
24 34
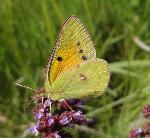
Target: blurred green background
28 30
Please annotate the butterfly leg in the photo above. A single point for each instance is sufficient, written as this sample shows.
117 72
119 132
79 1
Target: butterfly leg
66 104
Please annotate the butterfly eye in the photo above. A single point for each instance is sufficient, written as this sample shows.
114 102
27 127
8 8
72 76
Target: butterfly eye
59 58
84 57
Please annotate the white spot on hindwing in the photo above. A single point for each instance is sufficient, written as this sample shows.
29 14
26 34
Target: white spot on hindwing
82 76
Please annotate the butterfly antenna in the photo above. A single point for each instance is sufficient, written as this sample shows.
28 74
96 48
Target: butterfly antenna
20 85
27 87
28 104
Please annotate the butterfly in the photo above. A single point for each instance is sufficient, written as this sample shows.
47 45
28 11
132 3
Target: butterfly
73 71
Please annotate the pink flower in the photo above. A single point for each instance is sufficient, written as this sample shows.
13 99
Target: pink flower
146 111
135 133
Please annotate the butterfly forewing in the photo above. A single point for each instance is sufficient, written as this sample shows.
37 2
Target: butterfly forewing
87 79
73 46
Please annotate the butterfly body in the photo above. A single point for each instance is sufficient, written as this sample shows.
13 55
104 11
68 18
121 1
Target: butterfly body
73 70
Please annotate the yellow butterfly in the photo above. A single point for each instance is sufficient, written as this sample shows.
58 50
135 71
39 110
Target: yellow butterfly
73 71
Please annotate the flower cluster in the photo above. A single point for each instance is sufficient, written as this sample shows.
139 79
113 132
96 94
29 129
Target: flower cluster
136 133
53 116
144 131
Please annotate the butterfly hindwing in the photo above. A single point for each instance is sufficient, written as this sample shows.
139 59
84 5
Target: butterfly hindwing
73 46
87 79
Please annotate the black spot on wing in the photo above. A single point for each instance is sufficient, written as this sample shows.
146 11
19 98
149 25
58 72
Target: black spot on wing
59 58
84 57
81 51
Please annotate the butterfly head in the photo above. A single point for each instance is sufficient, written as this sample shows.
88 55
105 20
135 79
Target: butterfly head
39 94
